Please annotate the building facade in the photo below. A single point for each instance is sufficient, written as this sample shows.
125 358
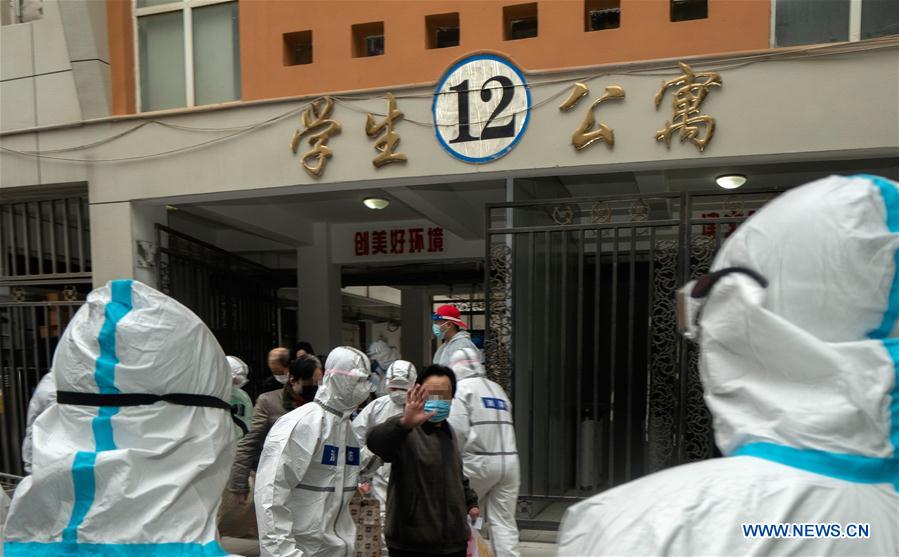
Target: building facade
550 166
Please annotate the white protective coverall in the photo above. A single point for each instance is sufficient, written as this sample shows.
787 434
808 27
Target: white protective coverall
481 417
241 403
43 397
309 467
400 375
382 357
446 350
4 507
801 381
140 477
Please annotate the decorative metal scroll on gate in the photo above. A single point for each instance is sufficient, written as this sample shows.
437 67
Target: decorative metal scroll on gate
498 345
664 362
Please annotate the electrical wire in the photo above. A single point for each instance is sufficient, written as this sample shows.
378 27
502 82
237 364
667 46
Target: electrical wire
347 101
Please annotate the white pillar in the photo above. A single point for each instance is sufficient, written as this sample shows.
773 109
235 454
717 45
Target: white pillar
319 312
115 230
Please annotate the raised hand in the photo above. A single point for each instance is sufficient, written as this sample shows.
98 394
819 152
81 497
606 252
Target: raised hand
414 413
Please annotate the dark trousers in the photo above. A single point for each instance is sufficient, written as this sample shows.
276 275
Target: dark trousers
400 553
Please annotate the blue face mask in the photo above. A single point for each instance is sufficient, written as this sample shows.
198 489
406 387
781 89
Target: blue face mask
438 332
441 406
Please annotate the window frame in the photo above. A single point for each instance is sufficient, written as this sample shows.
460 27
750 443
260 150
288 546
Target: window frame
186 8
855 23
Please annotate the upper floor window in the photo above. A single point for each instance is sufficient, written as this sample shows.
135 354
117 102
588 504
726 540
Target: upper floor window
802 22
188 52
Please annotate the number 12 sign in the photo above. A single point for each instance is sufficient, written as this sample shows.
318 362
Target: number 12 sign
481 108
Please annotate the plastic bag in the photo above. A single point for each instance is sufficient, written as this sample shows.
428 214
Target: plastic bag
477 547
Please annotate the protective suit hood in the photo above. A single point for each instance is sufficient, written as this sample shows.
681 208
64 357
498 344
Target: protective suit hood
149 474
808 362
382 352
401 375
466 363
346 381
239 370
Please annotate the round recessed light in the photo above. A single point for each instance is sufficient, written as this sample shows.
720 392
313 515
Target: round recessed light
730 181
376 203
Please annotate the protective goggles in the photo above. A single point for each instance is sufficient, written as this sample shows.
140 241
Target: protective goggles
692 297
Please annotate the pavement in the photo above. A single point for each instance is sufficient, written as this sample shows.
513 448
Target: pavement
541 546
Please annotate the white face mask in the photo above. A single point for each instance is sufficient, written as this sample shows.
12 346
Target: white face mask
281 378
398 397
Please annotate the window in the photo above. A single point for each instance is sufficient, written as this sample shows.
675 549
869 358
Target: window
803 22
799 22
442 30
188 52
685 10
602 14
879 18
368 39
298 48
520 21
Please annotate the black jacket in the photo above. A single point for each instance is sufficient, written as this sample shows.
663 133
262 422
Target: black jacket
270 384
428 497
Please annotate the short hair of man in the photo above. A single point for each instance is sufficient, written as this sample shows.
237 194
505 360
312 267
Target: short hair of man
304 367
282 355
305 347
438 371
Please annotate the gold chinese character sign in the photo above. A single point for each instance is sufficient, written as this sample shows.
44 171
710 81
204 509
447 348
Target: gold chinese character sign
387 144
317 122
690 90
585 135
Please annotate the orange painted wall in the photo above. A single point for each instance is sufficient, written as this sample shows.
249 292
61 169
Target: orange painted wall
645 34
120 30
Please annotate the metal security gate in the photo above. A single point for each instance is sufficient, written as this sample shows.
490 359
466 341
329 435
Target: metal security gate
45 273
581 331
235 297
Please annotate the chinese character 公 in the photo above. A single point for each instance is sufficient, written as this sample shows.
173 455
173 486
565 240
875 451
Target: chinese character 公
584 135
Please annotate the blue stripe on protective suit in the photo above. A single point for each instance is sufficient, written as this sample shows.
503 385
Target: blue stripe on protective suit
36 549
83 478
851 467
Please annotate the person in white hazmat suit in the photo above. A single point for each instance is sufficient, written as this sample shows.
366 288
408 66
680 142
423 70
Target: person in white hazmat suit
43 397
241 403
449 328
399 379
309 468
382 357
799 350
481 416
133 457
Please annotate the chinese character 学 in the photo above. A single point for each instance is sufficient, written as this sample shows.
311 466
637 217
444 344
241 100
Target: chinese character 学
690 89
388 142
316 119
585 134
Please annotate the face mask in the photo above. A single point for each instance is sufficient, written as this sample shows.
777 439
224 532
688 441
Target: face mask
398 397
361 391
438 332
309 393
441 406
281 378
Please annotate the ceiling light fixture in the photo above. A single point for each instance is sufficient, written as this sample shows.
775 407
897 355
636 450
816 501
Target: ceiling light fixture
376 203
730 181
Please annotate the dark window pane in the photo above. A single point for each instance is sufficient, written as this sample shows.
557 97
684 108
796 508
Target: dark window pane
880 18
685 10
800 22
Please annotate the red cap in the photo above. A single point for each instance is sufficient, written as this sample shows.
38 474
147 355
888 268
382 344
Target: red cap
449 313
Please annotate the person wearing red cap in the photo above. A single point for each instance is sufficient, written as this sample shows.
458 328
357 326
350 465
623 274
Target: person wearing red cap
449 328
